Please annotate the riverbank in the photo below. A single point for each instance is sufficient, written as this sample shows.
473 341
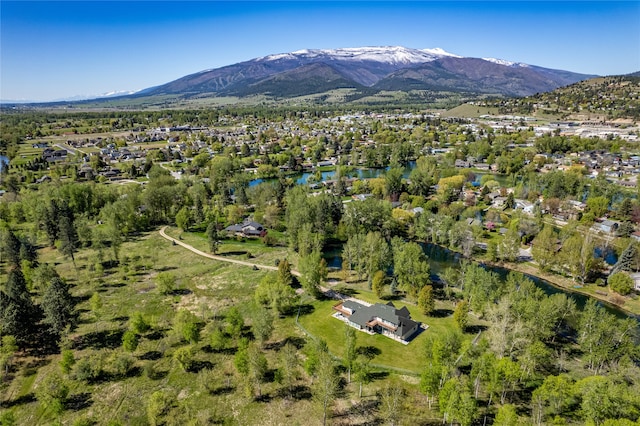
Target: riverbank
603 294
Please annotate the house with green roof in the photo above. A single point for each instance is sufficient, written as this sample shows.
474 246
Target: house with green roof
378 318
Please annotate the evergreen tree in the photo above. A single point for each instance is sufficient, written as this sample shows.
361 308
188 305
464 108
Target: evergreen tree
625 260
10 248
18 315
68 238
58 307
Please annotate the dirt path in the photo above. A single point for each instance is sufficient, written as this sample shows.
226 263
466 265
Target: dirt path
220 258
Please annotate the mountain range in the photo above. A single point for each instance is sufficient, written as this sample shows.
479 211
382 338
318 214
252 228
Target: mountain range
368 70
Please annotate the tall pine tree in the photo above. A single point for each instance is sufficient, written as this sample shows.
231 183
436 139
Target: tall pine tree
18 315
58 307
625 260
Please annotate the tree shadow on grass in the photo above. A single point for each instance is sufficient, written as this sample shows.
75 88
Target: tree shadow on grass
105 339
378 375
475 329
151 356
347 291
233 253
79 299
197 366
264 398
305 309
222 390
298 392
368 351
391 297
297 342
156 335
112 285
225 351
365 407
78 401
180 292
441 313
24 399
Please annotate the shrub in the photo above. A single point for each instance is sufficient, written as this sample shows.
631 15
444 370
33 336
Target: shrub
184 357
52 392
67 361
158 407
138 324
165 283
121 364
88 369
130 341
621 283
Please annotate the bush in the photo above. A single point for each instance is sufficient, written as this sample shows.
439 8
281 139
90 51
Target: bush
621 283
52 392
130 341
165 283
138 324
67 361
88 369
184 357
121 364
158 407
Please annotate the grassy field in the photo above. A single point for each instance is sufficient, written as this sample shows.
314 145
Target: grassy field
212 392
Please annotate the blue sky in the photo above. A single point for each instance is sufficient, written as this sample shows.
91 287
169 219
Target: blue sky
51 50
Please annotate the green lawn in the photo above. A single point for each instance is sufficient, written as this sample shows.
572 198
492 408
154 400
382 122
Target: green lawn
393 354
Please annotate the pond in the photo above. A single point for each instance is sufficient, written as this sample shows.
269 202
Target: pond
362 173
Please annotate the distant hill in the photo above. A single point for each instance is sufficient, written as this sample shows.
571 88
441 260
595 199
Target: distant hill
596 99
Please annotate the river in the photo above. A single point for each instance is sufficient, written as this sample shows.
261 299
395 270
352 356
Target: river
441 258
370 173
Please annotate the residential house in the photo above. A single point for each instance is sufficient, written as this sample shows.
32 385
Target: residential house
499 202
248 228
524 205
607 226
635 276
379 318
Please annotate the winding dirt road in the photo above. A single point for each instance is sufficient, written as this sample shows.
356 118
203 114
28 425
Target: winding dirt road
220 258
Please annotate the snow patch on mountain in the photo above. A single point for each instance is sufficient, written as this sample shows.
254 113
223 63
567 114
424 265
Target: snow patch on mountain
386 54
505 63
436 51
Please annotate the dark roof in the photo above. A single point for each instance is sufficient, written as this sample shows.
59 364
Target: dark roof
353 305
400 318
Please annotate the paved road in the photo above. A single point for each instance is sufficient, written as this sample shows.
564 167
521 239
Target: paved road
220 258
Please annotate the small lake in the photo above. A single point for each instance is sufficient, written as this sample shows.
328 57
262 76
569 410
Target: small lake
4 161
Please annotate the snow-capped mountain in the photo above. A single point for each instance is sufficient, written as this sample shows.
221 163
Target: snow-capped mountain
367 69
505 63
389 54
